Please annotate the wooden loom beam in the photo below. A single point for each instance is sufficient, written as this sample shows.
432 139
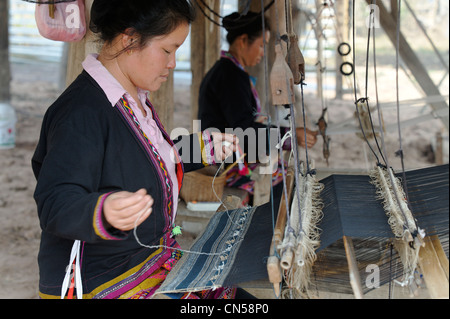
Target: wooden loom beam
434 266
273 264
355 278
440 253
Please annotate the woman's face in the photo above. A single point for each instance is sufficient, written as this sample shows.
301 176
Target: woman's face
253 52
149 67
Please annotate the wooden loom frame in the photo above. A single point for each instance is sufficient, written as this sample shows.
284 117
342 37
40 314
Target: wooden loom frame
433 261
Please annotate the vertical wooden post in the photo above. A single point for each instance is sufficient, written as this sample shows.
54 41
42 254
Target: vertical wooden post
205 50
394 9
78 51
320 53
197 59
280 10
5 70
278 26
164 102
259 70
212 36
439 151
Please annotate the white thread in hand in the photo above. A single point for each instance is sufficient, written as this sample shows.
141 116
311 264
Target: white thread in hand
226 143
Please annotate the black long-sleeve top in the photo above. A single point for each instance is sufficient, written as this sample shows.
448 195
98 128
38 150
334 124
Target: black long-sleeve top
226 101
88 149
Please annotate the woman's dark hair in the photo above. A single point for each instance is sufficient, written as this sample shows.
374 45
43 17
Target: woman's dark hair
250 24
144 18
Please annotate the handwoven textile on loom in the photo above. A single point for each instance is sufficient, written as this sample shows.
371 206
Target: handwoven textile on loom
219 245
246 260
351 209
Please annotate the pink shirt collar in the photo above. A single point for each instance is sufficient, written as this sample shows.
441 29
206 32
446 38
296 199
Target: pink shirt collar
113 89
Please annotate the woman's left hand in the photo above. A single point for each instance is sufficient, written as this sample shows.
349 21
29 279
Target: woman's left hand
224 145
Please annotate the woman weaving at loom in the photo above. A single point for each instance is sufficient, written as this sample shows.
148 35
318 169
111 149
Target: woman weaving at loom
228 98
108 175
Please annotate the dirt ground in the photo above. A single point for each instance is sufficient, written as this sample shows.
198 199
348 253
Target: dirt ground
34 87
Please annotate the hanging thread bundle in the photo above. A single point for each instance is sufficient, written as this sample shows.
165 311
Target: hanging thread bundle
409 237
298 250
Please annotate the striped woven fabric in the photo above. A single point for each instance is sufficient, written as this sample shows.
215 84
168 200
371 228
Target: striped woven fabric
211 257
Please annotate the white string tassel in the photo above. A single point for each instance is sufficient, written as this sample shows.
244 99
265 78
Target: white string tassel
307 238
73 269
396 212
400 219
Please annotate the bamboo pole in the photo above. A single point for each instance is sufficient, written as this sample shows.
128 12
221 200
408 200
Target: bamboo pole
355 278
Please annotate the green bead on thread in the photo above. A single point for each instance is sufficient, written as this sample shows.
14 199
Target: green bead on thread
176 231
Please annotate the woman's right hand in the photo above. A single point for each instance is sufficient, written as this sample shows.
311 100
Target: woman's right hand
123 209
311 137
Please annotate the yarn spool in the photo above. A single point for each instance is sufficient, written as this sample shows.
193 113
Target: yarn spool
286 260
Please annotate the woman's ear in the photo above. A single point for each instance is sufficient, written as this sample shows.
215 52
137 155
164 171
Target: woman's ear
128 38
244 40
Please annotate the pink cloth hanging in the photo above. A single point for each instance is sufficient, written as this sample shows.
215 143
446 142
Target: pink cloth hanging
63 21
